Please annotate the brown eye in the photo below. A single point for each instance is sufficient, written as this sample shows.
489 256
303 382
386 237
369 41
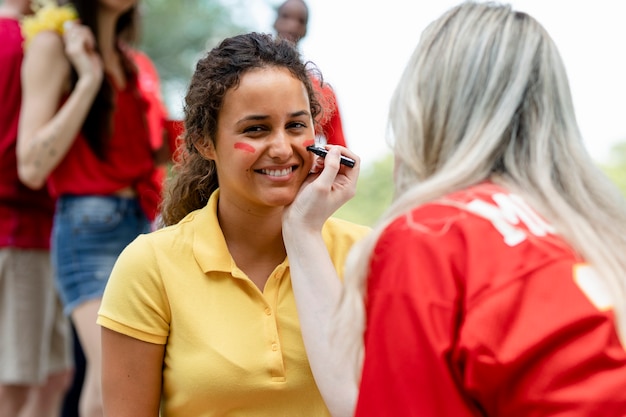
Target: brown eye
253 129
296 125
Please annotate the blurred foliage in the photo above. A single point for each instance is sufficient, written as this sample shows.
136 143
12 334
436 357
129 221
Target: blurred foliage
373 195
615 168
175 34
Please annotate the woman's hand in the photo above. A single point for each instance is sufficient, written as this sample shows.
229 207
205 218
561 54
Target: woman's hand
46 132
324 191
80 48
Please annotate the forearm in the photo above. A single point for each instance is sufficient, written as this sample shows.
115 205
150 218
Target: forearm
40 151
318 289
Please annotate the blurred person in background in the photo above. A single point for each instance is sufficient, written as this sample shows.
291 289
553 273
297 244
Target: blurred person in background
35 340
85 133
292 18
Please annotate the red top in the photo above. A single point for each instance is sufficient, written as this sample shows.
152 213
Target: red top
482 311
157 116
129 160
150 87
25 214
331 126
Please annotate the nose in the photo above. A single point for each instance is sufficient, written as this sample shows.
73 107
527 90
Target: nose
281 147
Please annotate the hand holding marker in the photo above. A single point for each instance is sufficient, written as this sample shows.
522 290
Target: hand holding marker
320 151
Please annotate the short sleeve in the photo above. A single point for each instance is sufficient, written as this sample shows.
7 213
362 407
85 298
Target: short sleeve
135 302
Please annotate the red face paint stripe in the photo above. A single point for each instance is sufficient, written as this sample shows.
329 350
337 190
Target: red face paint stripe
308 142
245 147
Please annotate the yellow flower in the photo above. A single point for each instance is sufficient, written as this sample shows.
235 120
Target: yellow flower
48 16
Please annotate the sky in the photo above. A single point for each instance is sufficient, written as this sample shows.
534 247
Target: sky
362 47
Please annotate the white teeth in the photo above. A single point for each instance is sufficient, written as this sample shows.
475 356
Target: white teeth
276 172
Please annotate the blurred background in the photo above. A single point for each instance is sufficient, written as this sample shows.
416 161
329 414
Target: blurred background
361 47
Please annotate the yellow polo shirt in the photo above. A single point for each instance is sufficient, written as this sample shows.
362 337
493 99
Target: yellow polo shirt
232 350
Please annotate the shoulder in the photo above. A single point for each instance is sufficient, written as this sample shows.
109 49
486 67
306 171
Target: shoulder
483 205
46 51
169 238
477 230
48 43
141 60
482 216
138 57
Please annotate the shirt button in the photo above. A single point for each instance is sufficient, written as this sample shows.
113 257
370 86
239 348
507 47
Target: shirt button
268 311
274 347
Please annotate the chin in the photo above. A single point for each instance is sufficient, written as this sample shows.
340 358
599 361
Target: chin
279 199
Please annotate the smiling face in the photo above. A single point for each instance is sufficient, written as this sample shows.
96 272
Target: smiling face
263 129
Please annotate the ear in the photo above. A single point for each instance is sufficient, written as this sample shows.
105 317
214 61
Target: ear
206 149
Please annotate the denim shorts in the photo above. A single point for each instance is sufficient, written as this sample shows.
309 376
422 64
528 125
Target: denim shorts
88 234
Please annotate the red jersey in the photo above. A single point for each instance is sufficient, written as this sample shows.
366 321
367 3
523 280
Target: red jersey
25 214
129 155
476 308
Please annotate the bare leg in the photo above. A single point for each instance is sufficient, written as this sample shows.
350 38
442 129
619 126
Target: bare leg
84 318
12 399
46 400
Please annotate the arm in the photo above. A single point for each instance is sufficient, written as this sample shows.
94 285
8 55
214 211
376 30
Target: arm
46 132
135 325
131 375
316 285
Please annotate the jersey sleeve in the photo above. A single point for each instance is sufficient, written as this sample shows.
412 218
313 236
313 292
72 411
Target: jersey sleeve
135 301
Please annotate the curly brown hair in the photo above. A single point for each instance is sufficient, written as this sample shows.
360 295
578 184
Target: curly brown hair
194 178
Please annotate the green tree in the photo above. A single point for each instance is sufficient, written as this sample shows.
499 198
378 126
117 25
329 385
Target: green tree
175 34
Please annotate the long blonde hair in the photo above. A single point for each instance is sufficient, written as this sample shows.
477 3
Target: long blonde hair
485 96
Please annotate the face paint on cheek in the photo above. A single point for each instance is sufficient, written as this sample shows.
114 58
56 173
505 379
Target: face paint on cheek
308 142
244 147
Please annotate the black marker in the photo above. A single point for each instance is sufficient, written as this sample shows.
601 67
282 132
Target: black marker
317 150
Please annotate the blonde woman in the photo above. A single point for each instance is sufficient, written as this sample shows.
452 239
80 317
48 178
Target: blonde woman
495 284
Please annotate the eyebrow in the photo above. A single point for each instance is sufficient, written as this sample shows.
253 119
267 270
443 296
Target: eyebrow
257 117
